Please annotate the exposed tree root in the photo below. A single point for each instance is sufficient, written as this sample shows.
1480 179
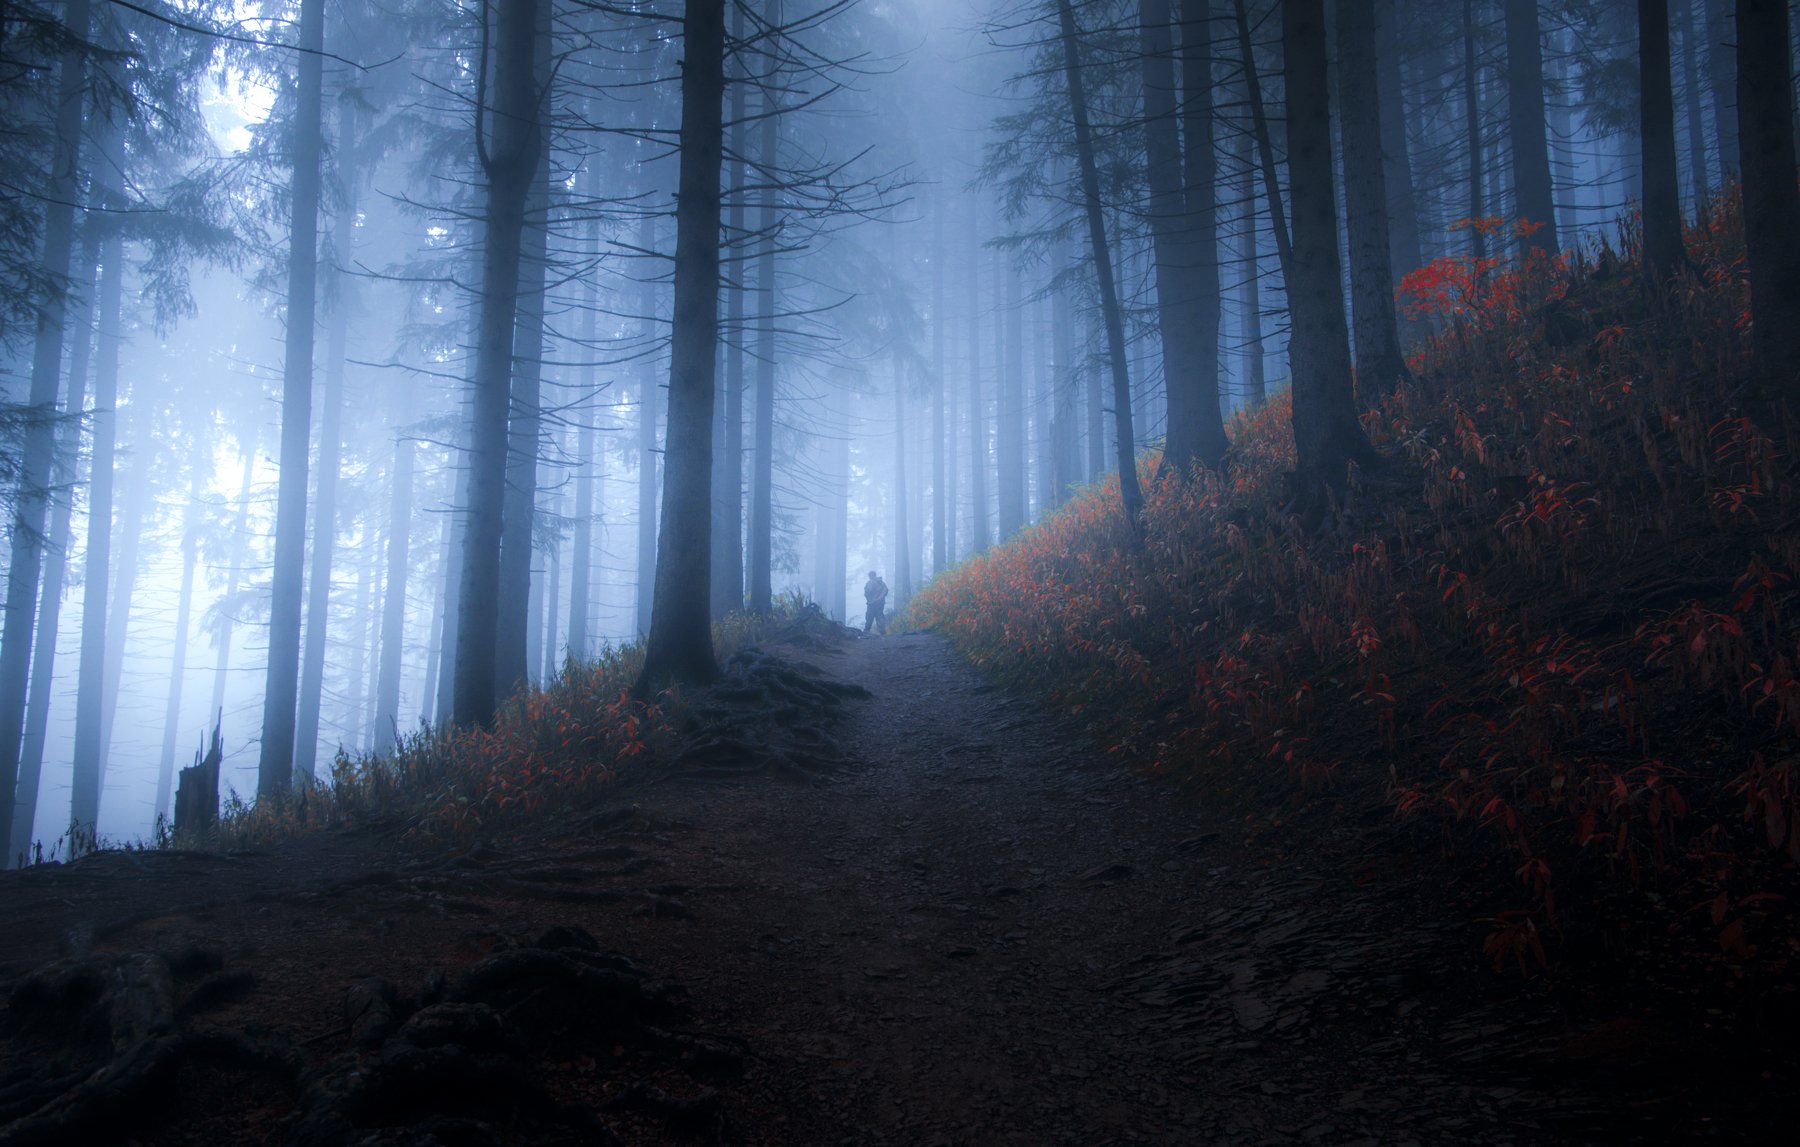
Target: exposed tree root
457 1065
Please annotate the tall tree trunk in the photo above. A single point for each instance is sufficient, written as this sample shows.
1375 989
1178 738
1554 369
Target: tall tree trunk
1765 103
647 555
1379 361
941 546
680 642
435 639
978 438
1663 250
509 163
1265 140
1256 387
520 592
1563 134
1131 495
762 466
325 517
1065 426
393 615
139 491
1182 217
1404 250
903 587
275 770
1471 95
1043 405
1009 443
56 556
29 506
728 480
91 725
184 613
456 532
356 710
1327 434
1525 113
239 529
1096 405
1722 44
1691 40
581 559
547 647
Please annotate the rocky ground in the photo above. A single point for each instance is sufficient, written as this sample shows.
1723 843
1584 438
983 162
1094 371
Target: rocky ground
955 925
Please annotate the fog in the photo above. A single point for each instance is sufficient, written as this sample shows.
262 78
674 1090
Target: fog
913 359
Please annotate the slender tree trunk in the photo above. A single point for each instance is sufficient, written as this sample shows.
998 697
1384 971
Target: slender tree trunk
680 642
1765 101
941 546
520 591
1327 434
647 555
1256 388
1525 112
1404 250
393 616
240 528
1471 94
456 534
1131 495
356 709
978 439
1379 361
56 556
547 648
1065 427
139 491
1096 405
1687 14
184 613
903 587
1663 250
1722 46
29 506
325 517
1043 404
435 640
1563 133
509 164
91 690
1009 444
275 770
728 480
581 560
762 468
1182 214
1265 140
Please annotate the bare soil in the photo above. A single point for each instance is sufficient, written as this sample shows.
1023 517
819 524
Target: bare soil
977 930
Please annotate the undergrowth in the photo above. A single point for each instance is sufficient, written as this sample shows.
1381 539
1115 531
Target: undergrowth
552 749
1562 621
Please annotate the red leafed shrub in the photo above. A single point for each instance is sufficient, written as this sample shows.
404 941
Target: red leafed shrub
1571 634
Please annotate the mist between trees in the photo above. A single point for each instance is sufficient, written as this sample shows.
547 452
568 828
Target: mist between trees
365 359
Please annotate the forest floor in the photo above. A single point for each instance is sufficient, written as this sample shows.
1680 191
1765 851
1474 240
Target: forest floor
978 931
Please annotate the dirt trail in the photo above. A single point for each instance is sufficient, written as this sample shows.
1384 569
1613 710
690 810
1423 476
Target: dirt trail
977 932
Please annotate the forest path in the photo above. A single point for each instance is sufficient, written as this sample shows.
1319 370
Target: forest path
985 933
977 931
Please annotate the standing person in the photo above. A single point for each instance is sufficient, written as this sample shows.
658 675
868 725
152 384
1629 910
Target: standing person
875 593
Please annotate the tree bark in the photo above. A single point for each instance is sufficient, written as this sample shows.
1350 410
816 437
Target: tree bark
1536 201
275 770
91 692
1689 21
1664 253
56 556
29 507
1722 43
1009 412
978 439
1256 386
903 587
1131 494
1765 103
728 481
646 441
1471 95
1327 434
509 164
393 615
1404 249
1179 173
679 647
184 612
1380 364
520 591
1065 426
762 463
940 519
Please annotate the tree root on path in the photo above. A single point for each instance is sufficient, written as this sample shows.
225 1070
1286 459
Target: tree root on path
458 1064
769 715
